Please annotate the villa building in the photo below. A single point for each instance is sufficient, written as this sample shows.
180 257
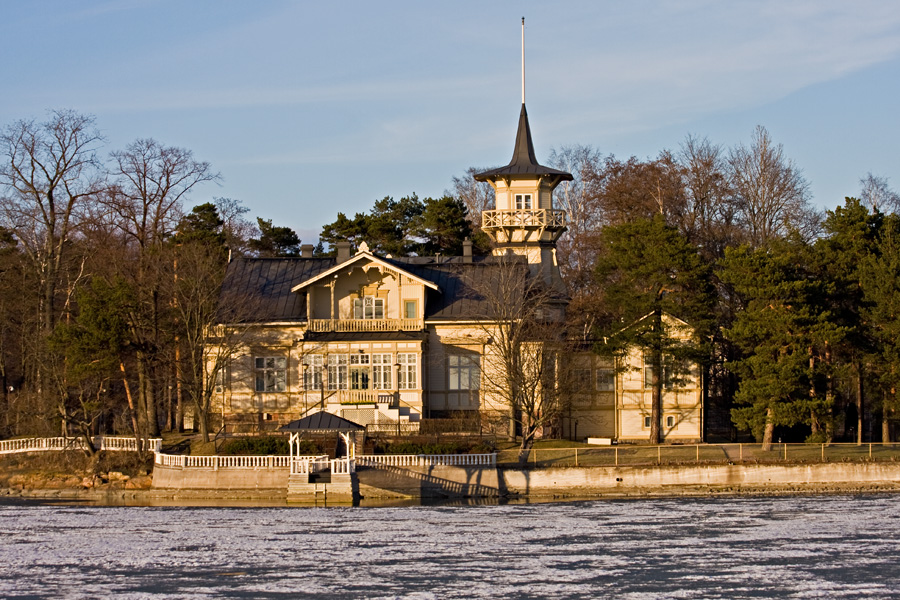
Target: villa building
387 342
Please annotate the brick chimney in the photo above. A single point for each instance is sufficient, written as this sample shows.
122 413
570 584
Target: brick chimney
343 251
306 251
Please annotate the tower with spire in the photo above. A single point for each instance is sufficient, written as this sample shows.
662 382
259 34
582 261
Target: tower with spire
524 221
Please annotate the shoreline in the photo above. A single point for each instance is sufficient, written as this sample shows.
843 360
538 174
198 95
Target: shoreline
278 497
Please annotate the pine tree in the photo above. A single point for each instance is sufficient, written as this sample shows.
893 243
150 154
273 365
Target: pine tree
648 270
780 333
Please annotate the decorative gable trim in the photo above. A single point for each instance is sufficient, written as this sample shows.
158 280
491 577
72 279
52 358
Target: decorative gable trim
360 256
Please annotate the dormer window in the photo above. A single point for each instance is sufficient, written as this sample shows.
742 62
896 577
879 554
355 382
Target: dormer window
368 307
523 201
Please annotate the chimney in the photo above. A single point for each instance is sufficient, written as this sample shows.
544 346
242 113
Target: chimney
306 251
467 250
343 251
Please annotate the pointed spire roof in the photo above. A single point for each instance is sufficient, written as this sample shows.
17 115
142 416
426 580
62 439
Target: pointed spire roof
523 161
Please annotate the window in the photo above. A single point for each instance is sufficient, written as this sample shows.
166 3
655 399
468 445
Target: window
337 371
667 377
606 380
581 378
381 371
368 307
670 421
219 380
409 309
464 372
271 373
646 422
359 371
523 201
312 371
407 376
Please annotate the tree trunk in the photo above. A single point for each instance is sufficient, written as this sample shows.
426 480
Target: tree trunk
179 391
859 403
769 431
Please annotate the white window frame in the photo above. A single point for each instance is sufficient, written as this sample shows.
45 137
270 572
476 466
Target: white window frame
368 308
382 364
338 378
360 372
523 202
270 374
408 373
313 366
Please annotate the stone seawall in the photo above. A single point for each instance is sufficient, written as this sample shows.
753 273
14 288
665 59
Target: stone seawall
627 481
455 482
197 478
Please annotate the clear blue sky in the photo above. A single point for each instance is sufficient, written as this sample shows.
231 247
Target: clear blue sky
310 108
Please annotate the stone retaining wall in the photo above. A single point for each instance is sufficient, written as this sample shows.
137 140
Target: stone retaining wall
676 479
442 481
220 479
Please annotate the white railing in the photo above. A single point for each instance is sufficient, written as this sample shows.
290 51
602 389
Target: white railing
357 325
428 460
343 466
186 461
304 465
124 444
536 217
398 427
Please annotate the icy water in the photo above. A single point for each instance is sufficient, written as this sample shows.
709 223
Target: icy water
794 547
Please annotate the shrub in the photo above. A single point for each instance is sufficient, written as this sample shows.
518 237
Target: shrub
256 446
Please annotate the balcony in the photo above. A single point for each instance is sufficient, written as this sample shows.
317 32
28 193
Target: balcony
547 218
364 325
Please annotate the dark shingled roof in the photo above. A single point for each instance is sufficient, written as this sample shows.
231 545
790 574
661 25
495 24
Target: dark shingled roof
262 288
459 283
259 289
322 422
523 161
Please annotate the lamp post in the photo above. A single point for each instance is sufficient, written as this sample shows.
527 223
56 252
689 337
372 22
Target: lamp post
305 388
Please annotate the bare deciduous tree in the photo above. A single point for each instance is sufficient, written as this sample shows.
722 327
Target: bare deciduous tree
581 198
876 194
519 316
771 193
49 171
710 212
478 196
148 184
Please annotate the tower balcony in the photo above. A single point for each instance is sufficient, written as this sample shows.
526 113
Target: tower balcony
524 226
547 218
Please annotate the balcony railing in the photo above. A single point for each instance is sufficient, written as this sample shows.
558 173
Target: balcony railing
365 325
535 217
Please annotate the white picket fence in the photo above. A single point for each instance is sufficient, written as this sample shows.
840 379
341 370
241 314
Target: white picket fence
216 461
428 460
124 444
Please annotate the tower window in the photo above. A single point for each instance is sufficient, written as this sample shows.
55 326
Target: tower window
523 201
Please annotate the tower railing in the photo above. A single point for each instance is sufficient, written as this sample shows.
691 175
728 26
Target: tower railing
532 217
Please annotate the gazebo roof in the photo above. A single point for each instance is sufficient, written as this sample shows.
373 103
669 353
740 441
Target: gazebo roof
322 422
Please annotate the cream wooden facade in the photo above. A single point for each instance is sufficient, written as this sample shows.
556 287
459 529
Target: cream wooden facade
388 342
